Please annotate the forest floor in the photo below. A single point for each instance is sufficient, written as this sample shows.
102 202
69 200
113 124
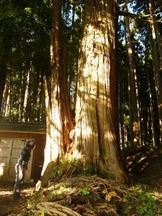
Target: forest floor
82 195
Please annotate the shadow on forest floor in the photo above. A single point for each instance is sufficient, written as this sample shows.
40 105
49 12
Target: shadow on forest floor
147 167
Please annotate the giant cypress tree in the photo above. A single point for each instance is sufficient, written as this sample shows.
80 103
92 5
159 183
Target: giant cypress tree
96 106
96 137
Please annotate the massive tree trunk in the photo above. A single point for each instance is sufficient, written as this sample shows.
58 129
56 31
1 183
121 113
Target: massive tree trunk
96 105
58 117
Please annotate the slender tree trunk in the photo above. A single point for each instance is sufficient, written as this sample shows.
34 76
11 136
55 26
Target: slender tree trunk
96 105
26 97
132 90
156 66
6 105
159 45
3 73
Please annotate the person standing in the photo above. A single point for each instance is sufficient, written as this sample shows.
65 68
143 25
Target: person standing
21 167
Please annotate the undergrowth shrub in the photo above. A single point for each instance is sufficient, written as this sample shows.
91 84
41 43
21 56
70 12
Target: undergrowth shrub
141 202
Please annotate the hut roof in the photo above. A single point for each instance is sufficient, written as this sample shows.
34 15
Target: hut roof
22 127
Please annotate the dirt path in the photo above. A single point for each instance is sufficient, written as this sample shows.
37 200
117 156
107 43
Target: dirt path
8 206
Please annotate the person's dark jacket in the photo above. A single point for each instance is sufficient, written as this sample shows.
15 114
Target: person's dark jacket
26 153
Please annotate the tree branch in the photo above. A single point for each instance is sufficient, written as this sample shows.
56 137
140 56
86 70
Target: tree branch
138 17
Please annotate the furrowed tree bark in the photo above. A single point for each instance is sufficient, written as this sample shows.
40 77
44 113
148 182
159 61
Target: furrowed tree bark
58 118
96 105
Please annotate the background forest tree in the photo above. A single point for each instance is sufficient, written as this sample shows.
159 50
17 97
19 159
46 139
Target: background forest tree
25 66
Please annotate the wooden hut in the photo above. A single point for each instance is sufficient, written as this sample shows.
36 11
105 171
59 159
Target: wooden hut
12 140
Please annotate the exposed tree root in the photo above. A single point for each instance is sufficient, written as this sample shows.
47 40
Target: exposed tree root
84 195
50 208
